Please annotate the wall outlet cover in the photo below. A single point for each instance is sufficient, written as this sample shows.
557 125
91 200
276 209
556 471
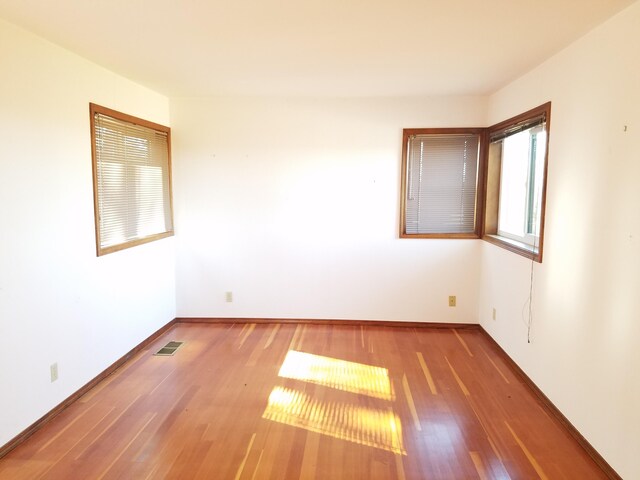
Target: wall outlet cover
53 369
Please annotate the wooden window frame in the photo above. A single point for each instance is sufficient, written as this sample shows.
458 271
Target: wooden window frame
406 134
488 181
97 109
491 187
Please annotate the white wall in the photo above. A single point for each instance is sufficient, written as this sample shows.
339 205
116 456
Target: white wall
58 301
292 204
584 352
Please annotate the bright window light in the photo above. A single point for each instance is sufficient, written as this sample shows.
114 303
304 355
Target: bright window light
521 182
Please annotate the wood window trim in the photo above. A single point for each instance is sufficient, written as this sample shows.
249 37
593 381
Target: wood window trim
487 200
489 228
98 109
406 134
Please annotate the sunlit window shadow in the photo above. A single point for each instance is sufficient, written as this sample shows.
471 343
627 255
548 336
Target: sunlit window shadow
339 374
365 426
380 428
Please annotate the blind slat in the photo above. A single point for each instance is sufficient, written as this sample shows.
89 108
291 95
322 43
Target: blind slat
132 170
442 183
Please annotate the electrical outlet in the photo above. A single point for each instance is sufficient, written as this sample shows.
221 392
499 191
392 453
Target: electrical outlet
452 300
54 372
229 297
494 314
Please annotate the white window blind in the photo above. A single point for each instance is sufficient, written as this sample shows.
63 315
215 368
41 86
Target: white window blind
442 179
133 195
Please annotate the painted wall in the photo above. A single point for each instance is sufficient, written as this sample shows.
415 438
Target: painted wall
292 204
58 301
585 334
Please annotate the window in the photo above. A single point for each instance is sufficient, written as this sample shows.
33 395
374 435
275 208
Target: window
516 179
485 183
520 177
132 180
440 183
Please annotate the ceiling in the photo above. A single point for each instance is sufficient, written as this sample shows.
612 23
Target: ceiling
313 47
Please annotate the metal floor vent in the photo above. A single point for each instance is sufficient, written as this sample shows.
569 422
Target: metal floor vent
169 349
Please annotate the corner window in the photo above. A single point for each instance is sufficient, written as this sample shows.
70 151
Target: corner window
132 180
440 169
487 183
516 180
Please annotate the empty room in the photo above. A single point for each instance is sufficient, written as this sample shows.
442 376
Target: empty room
319 240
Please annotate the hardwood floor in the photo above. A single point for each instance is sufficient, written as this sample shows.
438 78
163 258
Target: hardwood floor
286 401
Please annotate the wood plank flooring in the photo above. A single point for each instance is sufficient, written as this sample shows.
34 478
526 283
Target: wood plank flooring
286 401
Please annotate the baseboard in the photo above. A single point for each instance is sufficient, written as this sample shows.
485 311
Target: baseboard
34 427
311 321
553 410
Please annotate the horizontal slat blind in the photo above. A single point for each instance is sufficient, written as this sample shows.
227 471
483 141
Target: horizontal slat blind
132 173
442 183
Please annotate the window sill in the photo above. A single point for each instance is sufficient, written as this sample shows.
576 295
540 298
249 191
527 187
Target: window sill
439 235
514 246
133 243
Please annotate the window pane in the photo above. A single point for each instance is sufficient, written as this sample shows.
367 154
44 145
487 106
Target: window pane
539 146
521 181
514 184
132 180
441 183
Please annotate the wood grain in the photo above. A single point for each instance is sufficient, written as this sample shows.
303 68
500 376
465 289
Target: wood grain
203 413
87 390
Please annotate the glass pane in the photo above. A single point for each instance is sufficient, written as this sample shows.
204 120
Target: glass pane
538 148
513 184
